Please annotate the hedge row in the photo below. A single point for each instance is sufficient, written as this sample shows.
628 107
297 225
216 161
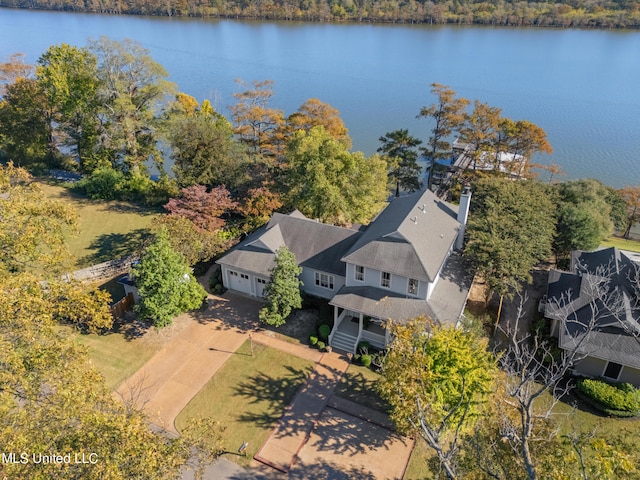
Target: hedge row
621 397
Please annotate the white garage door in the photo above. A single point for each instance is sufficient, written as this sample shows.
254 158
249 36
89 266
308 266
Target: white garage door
239 281
260 283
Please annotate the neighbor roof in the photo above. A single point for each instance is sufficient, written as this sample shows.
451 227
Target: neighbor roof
411 237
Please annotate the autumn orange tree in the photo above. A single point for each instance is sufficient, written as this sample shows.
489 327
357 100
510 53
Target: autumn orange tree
257 124
631 196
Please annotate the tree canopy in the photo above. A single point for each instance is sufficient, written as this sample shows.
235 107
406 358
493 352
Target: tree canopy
437 381
165 283
511 228
282 292
328 182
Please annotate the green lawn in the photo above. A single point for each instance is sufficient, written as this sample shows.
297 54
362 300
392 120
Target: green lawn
108 230
116 357
248 396
622 244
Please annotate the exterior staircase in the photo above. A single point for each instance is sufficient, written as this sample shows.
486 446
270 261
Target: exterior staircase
344 341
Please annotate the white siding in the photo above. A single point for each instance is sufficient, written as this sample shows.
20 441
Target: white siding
372 277
308 277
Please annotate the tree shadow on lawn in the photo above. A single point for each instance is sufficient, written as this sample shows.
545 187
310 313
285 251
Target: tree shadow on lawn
110 246
277 391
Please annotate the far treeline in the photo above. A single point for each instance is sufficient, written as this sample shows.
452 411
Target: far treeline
564 13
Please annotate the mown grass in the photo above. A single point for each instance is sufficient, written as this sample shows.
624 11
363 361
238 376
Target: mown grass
108 230
116 357
622 244
248 396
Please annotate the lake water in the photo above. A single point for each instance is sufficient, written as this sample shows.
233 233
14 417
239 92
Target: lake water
580 86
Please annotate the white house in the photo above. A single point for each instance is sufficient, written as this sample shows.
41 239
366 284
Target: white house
398 267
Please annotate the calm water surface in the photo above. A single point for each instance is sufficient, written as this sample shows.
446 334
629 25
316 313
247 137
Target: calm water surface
580 86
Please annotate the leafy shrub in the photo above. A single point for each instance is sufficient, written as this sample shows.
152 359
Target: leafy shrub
324 331
620 397
365 360
320 345
313 340
364 347
104 183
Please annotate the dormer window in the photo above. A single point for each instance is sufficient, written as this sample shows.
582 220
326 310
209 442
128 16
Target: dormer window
385 280
359 275
412 289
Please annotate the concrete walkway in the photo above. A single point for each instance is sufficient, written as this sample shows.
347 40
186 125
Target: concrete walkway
176 373
281 449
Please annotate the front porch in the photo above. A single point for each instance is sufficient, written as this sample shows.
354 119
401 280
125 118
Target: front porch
351 328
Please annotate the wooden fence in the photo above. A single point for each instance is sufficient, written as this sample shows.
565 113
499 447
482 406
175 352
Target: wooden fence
124 305
102 271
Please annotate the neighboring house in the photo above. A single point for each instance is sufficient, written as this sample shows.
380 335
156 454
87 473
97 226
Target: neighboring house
398 267
594 308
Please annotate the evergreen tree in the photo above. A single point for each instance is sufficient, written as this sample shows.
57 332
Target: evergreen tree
402 158
165 283
282 293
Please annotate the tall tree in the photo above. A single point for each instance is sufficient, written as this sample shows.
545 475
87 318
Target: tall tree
327 181
400 151
13 69
312 113
437 381
68 76
132 86
631 196
282 292
25 129
584 215
448 114
525 139
209 155
511 228
165 283
479 131
256 124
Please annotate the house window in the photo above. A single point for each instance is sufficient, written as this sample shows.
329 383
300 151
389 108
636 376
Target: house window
412 289
612 371
323 280
261 280
385 280
232 273
360 273
246 277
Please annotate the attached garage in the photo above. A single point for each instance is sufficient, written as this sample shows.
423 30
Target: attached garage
260 284
238 281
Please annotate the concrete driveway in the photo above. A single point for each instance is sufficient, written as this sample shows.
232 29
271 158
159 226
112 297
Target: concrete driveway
176 373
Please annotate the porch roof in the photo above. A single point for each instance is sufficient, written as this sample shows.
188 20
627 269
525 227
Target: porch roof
382 304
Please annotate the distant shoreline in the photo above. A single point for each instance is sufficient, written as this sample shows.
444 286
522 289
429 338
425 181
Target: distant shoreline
598 15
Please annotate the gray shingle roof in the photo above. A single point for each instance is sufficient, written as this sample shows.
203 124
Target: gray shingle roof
315 245
382 304
602 284
411 237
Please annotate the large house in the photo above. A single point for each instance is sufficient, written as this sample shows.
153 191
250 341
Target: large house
594 310
398 267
